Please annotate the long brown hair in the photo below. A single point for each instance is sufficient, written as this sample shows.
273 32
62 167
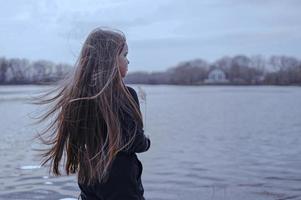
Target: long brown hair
85 111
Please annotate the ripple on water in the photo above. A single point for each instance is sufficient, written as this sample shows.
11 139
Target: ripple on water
29 178
283 179
250 184
203 178
35 194
161 194
28 167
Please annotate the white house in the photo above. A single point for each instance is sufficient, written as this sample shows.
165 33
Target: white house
216 76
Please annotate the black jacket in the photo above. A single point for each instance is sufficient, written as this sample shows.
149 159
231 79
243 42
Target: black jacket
124 182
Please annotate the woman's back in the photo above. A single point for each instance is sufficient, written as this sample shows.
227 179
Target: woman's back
124 180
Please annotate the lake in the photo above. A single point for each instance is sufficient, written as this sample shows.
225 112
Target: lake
208 142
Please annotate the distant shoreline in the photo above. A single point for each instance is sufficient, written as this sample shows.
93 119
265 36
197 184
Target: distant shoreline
239 70
216 84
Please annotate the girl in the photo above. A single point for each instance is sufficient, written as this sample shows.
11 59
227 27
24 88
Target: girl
98 127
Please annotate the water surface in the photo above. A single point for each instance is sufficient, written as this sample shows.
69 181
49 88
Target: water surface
207 143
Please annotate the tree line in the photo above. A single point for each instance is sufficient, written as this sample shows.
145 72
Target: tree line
23 71
239 70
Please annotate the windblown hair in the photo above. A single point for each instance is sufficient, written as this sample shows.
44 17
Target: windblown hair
85 111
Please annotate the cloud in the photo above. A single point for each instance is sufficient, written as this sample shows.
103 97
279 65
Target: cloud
160 33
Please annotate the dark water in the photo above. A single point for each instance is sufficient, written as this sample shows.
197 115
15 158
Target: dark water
207 143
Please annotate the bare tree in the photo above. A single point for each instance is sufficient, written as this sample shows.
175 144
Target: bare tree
190 72
3 69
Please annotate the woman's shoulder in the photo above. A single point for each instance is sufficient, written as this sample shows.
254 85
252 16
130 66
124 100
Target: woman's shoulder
132 90
133 93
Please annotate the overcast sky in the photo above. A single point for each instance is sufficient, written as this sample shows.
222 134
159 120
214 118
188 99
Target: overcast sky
160 33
